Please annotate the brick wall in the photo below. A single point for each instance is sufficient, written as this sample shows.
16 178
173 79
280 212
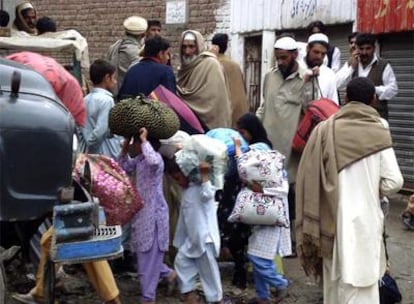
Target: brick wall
100 21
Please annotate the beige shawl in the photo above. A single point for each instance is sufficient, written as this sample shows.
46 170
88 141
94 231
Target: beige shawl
353 133
236 88
202 86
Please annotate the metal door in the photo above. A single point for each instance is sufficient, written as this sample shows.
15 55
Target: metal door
252 70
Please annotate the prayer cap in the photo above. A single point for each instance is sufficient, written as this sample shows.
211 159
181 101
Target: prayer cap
286 43
318 37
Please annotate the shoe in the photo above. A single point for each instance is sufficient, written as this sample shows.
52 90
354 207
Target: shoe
227 301
408 222
258 301
27 298
281 294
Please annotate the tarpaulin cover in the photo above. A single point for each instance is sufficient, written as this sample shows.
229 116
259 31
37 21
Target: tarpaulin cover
64 84
183 111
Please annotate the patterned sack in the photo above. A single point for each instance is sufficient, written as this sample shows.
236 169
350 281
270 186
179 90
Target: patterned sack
111 185
266 168
258 209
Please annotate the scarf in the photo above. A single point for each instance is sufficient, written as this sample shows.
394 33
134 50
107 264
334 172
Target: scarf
351 134
19 22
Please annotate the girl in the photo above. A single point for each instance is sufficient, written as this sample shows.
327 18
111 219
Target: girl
150 226
265 241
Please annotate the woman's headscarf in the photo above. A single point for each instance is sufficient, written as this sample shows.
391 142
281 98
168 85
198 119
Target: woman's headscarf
19 22
251 123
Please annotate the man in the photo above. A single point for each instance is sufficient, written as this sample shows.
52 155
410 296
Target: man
153 29
347 164
151 71
4 18
201 83
284 99
25 22
323 78
126 50
365 63
236 87
333 55
353 51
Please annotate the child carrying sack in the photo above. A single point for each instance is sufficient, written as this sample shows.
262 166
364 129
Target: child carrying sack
111 185
317 111
203 148
268 208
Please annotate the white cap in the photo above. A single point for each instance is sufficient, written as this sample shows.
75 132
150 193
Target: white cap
318 37
189 36
286 43
135 25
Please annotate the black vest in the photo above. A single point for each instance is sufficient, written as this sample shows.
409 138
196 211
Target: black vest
375 74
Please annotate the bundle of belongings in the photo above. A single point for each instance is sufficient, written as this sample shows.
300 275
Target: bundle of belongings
268 207
200 147
131 114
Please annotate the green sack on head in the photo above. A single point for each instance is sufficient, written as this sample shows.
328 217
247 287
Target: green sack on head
131 114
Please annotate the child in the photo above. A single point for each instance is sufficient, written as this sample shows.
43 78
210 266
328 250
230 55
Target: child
150 226
197 237
265 241
95 136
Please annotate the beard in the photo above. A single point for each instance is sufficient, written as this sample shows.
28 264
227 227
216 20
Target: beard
313 63
287 70
188 59
365 59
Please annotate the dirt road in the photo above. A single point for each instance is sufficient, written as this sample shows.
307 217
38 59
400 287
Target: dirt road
303 290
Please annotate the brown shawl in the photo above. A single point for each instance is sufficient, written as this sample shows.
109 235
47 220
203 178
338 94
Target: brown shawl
236 88
353 133
202 86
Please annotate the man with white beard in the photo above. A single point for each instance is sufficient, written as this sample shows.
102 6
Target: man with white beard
201 82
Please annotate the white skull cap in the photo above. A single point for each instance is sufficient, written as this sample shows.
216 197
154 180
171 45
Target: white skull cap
318 37
286 43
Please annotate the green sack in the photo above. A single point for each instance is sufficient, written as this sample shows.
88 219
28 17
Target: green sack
131 114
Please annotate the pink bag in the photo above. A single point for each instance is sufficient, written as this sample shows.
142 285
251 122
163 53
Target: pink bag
112 186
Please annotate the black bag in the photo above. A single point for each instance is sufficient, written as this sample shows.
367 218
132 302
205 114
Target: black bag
388 290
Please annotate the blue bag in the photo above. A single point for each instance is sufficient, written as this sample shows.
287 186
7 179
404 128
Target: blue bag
226 135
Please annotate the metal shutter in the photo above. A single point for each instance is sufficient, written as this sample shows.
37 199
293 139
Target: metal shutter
397 48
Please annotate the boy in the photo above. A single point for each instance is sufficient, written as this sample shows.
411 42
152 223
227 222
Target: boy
197 237
95 136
